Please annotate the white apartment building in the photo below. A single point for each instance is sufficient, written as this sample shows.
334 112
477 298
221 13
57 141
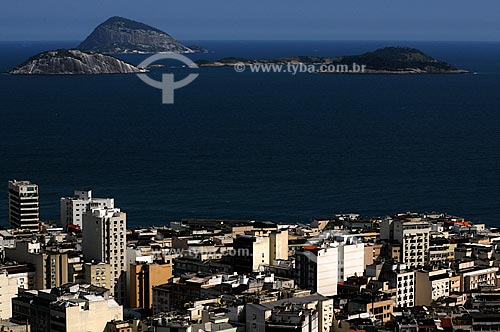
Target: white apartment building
405 288
73 208
104 240
413 235
23 205
318 269
8 287
12 278
351 260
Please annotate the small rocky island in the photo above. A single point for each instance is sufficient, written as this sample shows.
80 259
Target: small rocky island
74 62
120 35
388 60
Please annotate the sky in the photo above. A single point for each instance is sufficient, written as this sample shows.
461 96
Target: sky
440 20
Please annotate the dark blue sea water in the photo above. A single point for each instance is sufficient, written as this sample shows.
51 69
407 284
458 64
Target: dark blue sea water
262 146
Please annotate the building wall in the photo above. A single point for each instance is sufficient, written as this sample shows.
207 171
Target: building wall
161 299
94 318
351 260
260 252
380 309
369 254
455 282
23 205
429 289
327 271
73 208
278 245
8 290
405 289
317 270
104 240
472 280
414 239
143 277
97 274
51 268
325 315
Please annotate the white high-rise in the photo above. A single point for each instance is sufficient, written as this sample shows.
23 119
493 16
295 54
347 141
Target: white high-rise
104 240
351 259
413 236
23 205
317 269
73 208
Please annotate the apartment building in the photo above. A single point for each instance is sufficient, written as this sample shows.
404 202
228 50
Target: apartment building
431 286
23 205
104 240
73 208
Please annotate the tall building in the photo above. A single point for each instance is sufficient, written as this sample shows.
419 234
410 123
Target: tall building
317 269
400 281
351 259
23 205
73 208
321 268
413 236
104 240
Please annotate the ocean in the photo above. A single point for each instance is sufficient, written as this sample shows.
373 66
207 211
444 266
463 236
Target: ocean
263 146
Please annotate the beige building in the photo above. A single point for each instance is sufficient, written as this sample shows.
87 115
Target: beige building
379 308
413 236
431 286
373 253
455 284
251 252
104 240
441 250
51 267
75 308
317 269
91 315
97 274
6 326
278 245
8 290
143 277
259 247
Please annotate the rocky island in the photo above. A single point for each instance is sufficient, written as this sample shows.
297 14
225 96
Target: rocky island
120 35
388 60
73 62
